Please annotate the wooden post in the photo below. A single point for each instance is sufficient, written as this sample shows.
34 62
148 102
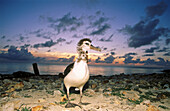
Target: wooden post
35 67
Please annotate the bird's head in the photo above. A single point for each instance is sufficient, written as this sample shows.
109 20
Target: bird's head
85 45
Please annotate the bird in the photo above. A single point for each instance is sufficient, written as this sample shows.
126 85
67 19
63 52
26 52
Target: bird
77 73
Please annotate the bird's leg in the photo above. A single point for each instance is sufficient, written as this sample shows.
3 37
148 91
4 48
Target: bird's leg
81 95
81 88
69 104
68 94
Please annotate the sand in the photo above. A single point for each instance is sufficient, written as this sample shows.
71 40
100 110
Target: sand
134 92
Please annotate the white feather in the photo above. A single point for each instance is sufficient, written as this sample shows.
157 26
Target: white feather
78 76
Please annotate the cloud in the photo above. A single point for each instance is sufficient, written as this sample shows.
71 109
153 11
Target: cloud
101 30
8 40
104 48
148 55
163 50
46 44
107 40
22 38
106 54
156 10
167 54
7 46
48 50
113 49
151 50
67 22
25 46
15 54
128 58
98 23
3 37
160 62
60 40
71 59
69 42
77 36
98 60
167 41
49 43
36 31
112 53
99 13
146 31
43 34
109 59
128 54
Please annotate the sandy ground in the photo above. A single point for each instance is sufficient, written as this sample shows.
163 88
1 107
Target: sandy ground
115 93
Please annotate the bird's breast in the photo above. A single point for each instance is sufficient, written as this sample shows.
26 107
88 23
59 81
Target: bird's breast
80 69
78 76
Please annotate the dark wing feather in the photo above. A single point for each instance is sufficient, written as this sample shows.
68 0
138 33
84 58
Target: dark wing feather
68 69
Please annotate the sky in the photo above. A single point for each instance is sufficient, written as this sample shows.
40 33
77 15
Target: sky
129 32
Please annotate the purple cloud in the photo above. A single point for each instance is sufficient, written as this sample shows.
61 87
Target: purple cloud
14 54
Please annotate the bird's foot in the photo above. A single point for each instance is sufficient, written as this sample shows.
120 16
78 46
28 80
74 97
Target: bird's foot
72 105
83 103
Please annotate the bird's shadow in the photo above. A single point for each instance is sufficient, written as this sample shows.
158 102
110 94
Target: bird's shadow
85 103
72 105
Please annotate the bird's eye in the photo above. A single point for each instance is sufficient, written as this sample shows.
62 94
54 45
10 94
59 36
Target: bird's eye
87 43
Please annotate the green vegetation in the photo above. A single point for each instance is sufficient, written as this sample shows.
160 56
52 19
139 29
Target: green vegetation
27 96
50 92
88 95
62 93
118 94
163 107
137 89
136 101
149 93
126 88
64 102
24 108
72 99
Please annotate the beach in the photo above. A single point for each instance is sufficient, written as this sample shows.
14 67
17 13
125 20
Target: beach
135 92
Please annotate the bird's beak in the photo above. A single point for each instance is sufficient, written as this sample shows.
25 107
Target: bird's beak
95 48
